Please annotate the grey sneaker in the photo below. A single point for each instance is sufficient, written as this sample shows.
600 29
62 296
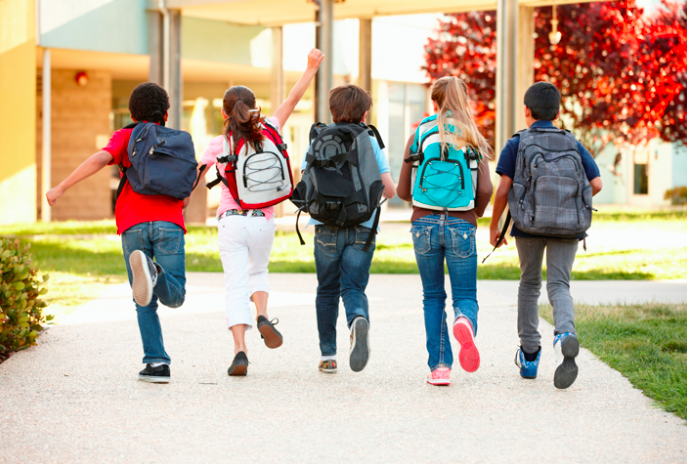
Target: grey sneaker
360 348
567 347
144 272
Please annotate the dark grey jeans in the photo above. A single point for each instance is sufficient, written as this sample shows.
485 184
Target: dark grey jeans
560 256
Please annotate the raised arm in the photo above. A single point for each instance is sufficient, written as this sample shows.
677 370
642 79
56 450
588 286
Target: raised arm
282 114
89 167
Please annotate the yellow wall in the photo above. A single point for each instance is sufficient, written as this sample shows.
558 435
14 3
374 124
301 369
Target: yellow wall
17 111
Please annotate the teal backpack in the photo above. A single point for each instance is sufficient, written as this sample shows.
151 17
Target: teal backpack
442 178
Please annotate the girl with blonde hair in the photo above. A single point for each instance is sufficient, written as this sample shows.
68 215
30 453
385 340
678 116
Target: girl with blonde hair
446 176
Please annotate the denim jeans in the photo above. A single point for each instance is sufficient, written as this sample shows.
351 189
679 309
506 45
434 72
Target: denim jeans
163 241
435 238
343 270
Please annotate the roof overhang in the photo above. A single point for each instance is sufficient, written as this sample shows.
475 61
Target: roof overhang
276 12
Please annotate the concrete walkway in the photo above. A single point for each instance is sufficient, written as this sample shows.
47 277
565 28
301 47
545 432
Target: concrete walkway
75 398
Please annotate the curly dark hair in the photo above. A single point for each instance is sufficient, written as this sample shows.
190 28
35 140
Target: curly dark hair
149 102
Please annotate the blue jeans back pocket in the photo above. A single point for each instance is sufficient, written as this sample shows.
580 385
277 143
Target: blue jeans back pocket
170 241
132 240
325 239
463 241
421 238
361 236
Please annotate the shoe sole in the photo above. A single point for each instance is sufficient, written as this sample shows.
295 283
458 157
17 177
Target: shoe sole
272 338
469 355
153 379
238 370
329 371
361 351
566 373
142 284
440 382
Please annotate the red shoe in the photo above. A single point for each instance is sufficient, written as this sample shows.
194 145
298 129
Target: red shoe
440 376
468 356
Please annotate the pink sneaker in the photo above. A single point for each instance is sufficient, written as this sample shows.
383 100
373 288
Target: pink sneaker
469 356
440 376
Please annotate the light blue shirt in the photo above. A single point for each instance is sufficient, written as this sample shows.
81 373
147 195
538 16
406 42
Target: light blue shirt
383 167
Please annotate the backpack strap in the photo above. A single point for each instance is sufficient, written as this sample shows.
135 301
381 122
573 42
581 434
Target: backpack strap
374 132
315 129
375 225
122 169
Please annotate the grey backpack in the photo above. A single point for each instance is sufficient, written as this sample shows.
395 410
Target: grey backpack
341 184
551 195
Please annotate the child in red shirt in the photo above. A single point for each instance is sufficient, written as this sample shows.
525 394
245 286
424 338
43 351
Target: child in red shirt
150 226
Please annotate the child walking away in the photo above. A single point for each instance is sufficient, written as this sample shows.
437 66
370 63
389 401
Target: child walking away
252 166
446 176
148 213
548 179
345 175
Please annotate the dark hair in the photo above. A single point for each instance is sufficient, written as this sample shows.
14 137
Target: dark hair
544 100
149 102
348 103
243 116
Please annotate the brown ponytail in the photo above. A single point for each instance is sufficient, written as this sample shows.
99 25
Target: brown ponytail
243 116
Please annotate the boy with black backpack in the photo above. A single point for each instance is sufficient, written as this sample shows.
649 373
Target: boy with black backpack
345 175
159 172
548 179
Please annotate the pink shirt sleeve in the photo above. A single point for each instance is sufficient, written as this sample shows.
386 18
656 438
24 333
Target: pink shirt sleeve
214 149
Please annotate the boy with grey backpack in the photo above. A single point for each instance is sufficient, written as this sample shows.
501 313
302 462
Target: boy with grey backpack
548 179
345 176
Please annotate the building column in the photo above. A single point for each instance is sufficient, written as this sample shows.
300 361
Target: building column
46 160
326 72
525 64
155 47
277 81
365 58
506 70
165 58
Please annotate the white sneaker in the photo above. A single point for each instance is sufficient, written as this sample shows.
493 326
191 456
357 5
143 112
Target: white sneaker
144 277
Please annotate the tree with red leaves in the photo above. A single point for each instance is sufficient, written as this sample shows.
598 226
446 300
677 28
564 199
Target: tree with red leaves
623 77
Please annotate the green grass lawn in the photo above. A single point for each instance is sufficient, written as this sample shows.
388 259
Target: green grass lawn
647 343
84 257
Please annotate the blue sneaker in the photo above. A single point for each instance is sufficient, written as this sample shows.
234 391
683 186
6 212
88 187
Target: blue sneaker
528 369
567 347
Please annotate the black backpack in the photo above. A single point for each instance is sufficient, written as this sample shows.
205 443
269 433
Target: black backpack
163 161
341 184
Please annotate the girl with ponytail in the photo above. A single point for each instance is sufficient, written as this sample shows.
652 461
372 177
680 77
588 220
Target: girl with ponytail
246 236
449 236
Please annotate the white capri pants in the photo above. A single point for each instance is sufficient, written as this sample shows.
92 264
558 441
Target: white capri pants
245 244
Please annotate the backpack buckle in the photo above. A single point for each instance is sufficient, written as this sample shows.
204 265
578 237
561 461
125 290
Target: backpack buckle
227 159
332 205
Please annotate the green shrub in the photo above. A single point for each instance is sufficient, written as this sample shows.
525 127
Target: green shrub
21 309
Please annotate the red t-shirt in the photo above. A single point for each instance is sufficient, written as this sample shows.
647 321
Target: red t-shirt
133 208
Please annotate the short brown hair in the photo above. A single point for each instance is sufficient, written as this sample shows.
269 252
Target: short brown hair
348 103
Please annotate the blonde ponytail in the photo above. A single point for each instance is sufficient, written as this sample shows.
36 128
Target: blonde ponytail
451 96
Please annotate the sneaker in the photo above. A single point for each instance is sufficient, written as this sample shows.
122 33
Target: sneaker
567 347
272 337
468 356
239 366
144 273
328 366
440 376
159 374
528 369
360 349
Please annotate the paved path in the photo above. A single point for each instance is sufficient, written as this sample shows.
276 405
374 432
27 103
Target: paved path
75 398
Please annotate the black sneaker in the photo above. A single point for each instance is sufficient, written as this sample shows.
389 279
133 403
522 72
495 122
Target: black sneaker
360 349
240 365
159 374
272 337
144 272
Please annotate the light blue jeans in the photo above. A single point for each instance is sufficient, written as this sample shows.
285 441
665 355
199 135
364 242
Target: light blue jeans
163 241
437 239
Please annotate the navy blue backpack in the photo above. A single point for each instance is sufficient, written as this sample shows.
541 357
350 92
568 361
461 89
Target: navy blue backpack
163 161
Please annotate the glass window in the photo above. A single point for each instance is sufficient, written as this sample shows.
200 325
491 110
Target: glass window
641 180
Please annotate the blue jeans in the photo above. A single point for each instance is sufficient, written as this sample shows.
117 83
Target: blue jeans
165 242
436 237
343 270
